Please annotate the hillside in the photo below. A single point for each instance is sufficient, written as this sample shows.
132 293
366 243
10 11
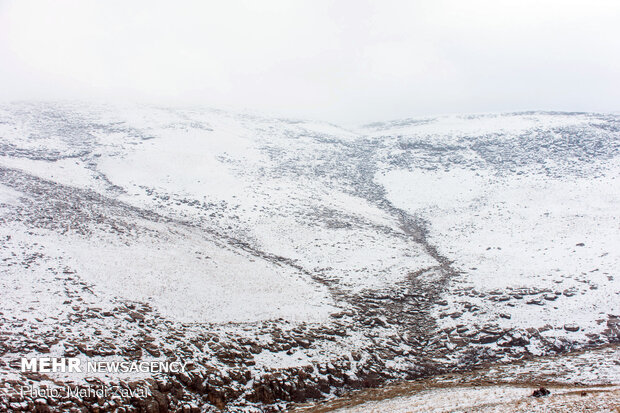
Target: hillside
289 260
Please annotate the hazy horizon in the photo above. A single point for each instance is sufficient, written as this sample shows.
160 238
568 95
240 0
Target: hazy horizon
342 62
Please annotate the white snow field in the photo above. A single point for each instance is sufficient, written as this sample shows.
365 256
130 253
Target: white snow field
260 248
523 230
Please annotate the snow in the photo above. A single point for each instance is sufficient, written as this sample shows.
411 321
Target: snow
247 228
589 379
9 195
154 158
186 277
213 284
67 171
479 399
449 127
521 231
419 190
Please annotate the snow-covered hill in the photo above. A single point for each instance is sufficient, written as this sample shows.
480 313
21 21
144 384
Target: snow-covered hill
289 260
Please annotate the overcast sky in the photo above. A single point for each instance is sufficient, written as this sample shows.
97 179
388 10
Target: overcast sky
342 61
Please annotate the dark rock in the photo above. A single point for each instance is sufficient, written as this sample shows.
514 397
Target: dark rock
486 338
571 327
541 392
515 340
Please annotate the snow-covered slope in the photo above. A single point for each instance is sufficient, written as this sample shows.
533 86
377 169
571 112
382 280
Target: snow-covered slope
256 247
526 208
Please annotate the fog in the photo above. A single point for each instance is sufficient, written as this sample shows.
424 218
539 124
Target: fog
348 62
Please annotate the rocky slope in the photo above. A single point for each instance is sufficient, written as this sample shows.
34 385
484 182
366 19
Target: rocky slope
289 260
574 382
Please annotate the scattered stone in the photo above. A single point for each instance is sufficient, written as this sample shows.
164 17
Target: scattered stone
514 340
485 338
541 392
571 327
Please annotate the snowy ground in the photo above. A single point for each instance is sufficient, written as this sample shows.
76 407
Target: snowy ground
257 248
579 382
497 399
523 231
